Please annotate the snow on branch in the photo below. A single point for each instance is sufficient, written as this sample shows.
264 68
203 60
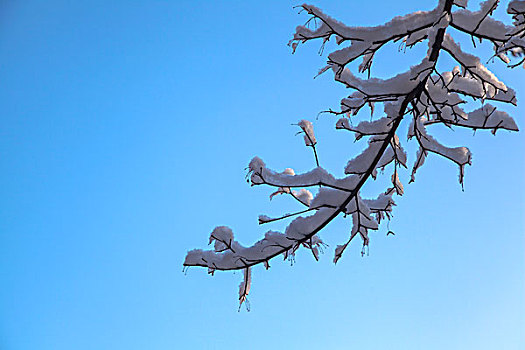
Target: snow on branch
244 286
457 82
259 174
273 244
361 163
480 24
422 94
486 117
472 64
459 155
308 130
309 137
366 128
506 38
516 41
381 89
516 8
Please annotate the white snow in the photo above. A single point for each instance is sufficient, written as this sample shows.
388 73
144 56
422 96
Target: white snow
308 129
422 93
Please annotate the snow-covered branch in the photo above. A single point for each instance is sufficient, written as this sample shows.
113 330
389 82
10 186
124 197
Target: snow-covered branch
422 93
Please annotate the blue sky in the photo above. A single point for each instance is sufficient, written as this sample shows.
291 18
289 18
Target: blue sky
126 128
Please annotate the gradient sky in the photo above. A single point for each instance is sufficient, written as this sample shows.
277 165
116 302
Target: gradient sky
125 130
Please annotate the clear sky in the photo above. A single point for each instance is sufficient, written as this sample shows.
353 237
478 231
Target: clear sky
125 130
